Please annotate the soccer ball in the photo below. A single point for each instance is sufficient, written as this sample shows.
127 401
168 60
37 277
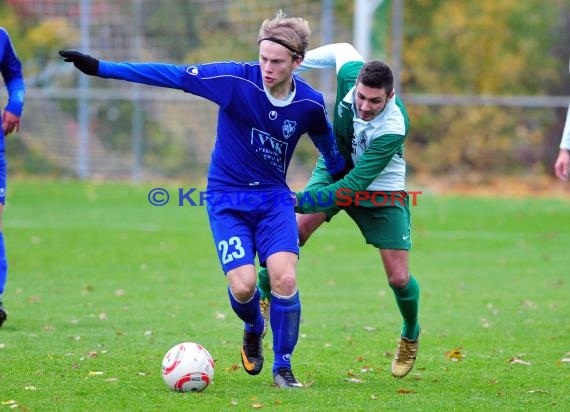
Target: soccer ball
188 367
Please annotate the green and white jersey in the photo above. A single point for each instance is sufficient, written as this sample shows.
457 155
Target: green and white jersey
376 147
386 132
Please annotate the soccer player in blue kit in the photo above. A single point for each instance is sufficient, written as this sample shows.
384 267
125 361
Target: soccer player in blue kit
263 111
11 69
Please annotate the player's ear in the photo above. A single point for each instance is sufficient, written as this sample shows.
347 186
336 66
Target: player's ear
297 60
392 93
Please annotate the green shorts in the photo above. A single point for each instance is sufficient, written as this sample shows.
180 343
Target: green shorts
386 226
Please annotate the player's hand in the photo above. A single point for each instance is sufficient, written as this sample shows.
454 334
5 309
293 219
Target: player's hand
10 123
562 164
84 62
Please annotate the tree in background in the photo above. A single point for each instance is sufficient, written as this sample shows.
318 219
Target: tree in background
449 47
482 48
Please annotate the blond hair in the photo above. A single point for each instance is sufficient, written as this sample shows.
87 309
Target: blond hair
291 32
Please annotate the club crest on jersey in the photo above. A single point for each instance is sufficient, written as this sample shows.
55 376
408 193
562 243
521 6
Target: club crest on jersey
359 141
288 128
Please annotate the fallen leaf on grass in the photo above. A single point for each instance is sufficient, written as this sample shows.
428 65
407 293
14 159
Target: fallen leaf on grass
257 405
30 388
94 373
354 380
485 323
455 355
519 361
10 402
308 384
537 391
528 304
404 391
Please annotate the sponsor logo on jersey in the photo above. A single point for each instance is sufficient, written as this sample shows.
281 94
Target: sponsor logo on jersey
272 149
272 115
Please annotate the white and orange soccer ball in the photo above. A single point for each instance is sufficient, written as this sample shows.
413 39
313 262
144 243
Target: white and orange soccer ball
188 367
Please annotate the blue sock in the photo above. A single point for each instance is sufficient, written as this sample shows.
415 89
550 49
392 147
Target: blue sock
249 312
285 315
3 265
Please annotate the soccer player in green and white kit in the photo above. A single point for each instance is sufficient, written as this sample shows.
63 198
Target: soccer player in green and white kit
371 125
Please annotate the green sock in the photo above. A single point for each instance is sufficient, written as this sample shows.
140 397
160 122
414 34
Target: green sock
263 283
408 299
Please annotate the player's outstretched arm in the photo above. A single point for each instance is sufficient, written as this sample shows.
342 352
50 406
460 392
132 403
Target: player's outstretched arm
333 55
152 74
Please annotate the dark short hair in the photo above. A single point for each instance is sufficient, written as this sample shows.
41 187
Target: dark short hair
378 75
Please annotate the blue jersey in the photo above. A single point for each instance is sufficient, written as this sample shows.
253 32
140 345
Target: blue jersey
11 69
256 133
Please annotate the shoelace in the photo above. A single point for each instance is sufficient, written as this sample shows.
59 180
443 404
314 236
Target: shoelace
405 351
287 375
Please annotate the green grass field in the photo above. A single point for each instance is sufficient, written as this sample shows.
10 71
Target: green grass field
102 284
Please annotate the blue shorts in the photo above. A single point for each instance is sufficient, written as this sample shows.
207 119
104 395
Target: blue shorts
248 223
2 178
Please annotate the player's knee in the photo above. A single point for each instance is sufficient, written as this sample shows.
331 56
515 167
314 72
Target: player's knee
285 285
398 280
242 292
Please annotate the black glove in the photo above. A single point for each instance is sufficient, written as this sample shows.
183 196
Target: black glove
84 62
